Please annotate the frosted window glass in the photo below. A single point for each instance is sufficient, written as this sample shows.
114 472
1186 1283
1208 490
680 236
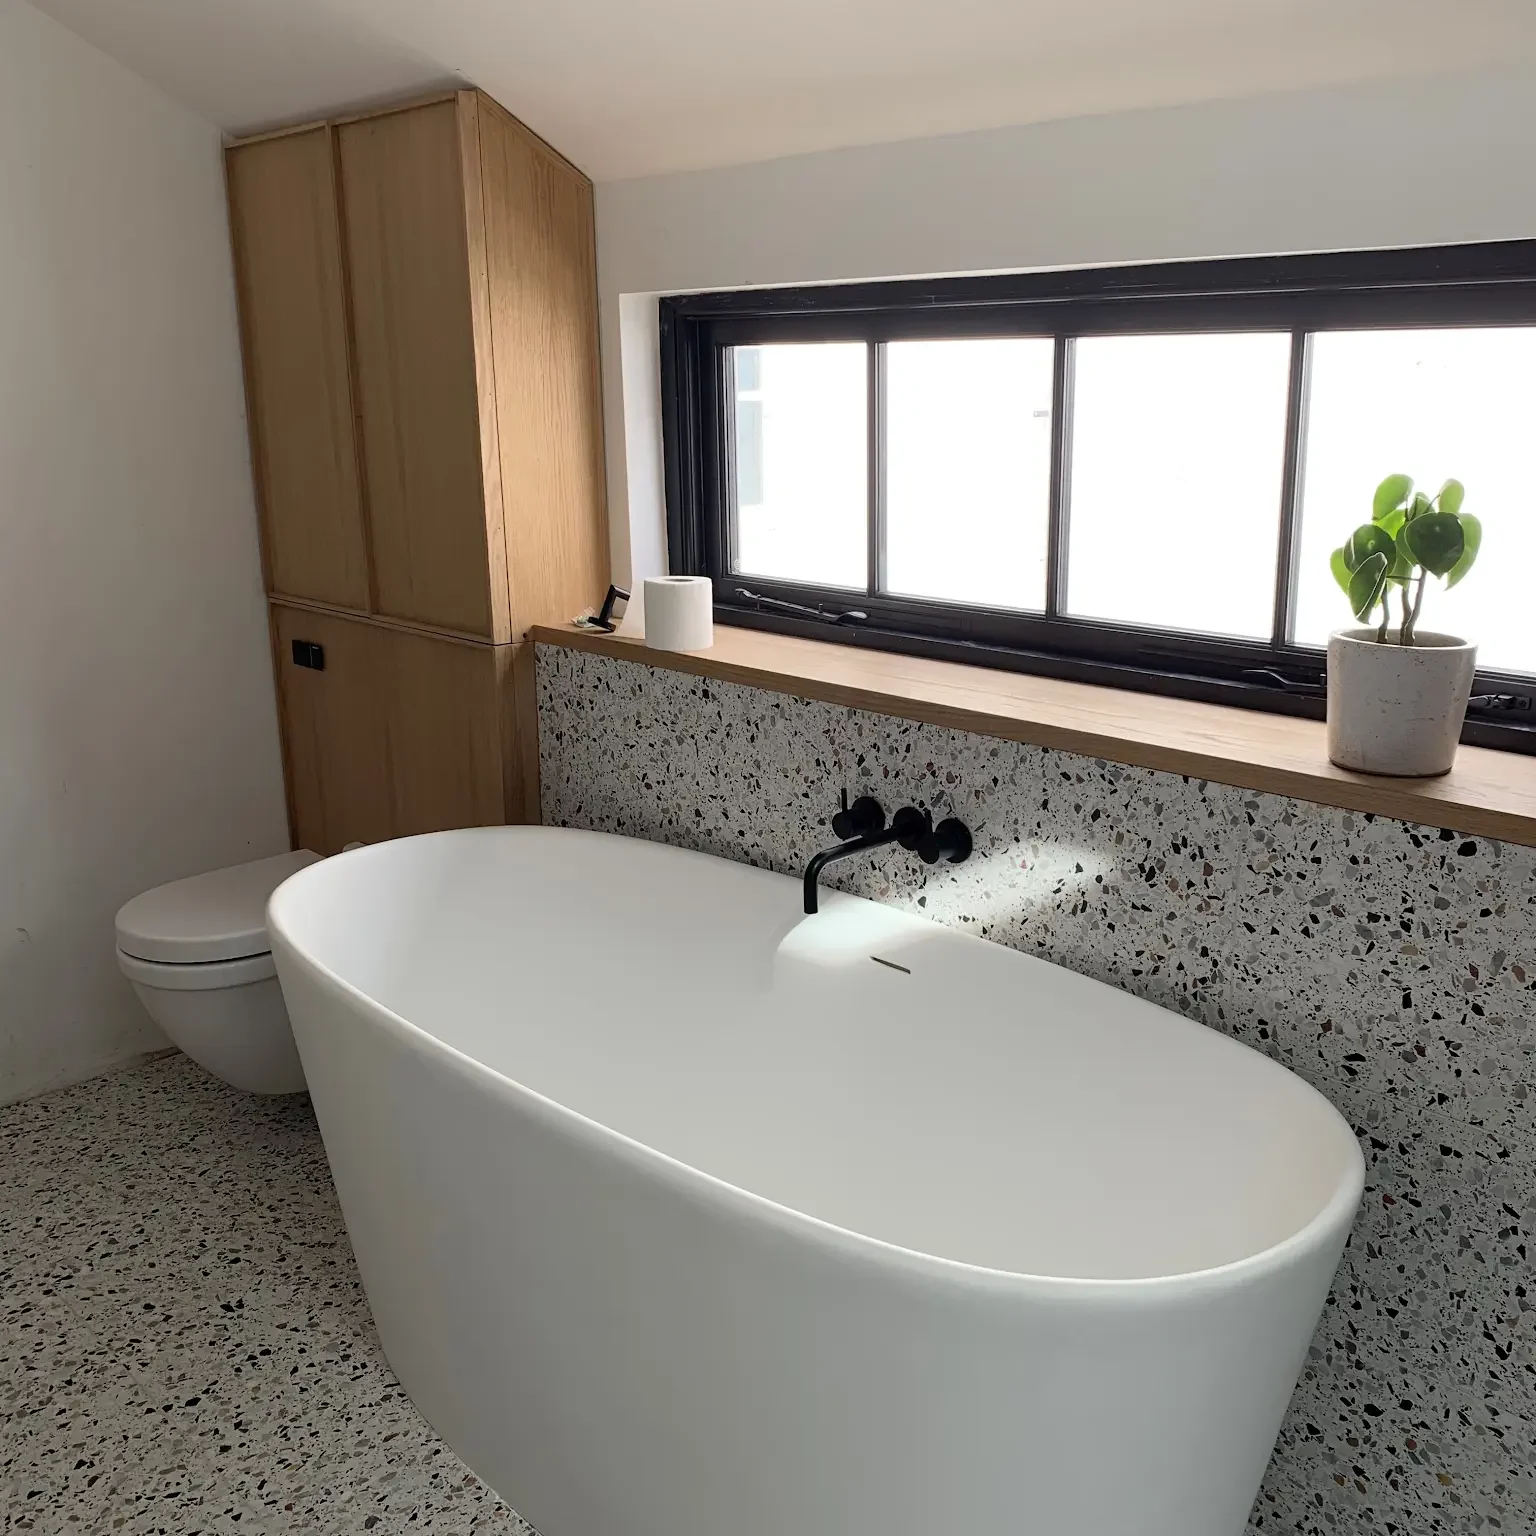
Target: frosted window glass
1178 457
802 462
968 482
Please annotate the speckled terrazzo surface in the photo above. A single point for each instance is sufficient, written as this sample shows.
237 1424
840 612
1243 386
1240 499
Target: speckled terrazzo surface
1393 967
184 1343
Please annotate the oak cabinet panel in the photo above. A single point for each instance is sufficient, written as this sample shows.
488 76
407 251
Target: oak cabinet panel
541 261
334 736
401 731
402 196
288 266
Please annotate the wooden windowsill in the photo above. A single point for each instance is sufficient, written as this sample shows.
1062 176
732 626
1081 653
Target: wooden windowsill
1487 794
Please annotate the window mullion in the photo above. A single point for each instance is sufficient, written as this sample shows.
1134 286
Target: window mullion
720 530
1289 547
1057 537
877 468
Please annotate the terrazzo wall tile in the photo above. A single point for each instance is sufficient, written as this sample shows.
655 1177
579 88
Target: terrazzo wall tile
1392 966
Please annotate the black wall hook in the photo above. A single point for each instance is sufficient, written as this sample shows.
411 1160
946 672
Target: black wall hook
604 619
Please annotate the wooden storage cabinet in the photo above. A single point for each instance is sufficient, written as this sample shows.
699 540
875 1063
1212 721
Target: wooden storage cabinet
418 310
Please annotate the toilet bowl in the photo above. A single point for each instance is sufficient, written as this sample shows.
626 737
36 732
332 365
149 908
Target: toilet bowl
197 954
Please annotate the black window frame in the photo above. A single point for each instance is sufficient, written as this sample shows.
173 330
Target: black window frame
1486 284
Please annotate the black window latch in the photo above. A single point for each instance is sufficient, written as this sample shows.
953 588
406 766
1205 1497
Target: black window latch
1268 677
804 611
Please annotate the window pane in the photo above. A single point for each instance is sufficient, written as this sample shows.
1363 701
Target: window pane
968 470
1178 454
802 455
1431 404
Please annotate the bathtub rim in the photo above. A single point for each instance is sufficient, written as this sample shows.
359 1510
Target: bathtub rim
1338 1212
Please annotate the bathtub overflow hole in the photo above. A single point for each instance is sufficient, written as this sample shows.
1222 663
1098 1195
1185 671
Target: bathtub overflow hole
905 970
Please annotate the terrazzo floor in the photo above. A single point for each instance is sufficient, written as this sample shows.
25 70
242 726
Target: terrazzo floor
184 1342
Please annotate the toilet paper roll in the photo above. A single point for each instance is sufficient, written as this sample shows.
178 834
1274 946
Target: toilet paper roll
679 613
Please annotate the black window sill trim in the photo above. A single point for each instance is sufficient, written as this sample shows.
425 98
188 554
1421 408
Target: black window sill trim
1293 684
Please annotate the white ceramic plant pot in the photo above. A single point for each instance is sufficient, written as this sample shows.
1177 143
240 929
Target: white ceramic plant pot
1397 709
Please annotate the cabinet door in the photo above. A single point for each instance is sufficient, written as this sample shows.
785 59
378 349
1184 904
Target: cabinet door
335 742
404 209
541 261
398 733
283 222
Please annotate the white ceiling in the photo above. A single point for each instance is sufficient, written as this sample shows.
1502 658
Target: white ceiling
634 87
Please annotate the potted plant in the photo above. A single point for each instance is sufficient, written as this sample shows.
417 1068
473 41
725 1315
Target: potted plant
1397 694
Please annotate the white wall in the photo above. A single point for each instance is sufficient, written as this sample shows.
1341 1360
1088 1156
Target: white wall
1446 160
138 739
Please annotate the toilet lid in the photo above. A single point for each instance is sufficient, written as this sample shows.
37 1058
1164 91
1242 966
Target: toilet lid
218 916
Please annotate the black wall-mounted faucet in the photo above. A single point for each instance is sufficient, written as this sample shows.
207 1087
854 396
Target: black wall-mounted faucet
862 826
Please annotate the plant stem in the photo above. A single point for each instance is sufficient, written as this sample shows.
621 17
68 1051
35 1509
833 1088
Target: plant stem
1386 617
1411 620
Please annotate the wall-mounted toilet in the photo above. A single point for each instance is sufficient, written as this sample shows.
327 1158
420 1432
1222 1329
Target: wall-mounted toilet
198 955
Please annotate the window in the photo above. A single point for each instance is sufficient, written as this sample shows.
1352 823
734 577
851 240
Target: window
1131 476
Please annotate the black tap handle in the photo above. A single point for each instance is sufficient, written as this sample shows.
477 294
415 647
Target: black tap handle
950 841
861 819
911 826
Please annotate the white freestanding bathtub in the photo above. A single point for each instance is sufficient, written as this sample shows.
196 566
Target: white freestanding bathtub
683 1214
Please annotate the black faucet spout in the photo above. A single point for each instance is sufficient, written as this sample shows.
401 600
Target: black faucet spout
908 827
813 870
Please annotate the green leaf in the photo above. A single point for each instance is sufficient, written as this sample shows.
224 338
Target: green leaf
1393 521
1339 565
1472 537
1451 496
1436 541
1365 586
1419 506
1367 540
1390 495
